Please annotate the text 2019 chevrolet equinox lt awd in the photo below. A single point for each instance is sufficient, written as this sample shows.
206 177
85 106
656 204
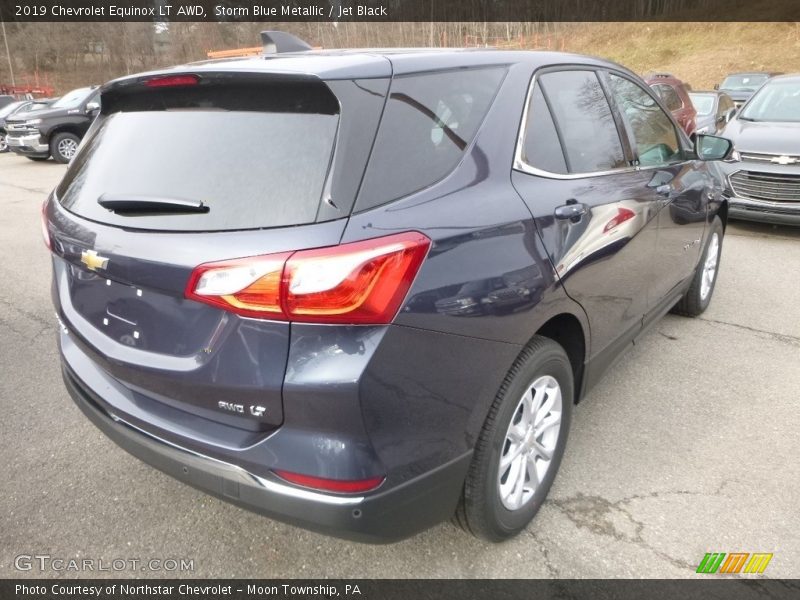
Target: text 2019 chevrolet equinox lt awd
361 291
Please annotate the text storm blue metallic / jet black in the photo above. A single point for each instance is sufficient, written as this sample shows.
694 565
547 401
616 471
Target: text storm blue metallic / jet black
360 291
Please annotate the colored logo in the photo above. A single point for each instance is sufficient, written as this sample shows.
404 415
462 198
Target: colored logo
734 562
93 260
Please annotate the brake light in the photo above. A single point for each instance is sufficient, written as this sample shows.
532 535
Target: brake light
45 230
172 81
344 486
357 283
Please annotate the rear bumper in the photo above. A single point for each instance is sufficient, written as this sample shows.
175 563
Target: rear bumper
380 517
781 213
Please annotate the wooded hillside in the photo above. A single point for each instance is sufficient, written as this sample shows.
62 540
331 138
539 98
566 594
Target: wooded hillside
67 55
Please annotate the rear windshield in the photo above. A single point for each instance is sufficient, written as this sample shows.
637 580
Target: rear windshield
256 157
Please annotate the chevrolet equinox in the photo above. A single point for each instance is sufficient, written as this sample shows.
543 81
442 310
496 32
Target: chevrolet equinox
360 291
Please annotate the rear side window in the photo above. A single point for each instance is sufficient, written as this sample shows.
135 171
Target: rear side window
670 97
583 117
541 147
428 123
654 133
257 156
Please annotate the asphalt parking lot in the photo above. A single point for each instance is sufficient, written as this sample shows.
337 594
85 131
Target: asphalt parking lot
689 445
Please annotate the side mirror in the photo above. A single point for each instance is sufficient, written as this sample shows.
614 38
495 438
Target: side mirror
711 147
92 107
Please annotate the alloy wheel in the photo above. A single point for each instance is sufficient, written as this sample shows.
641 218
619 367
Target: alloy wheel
67 148
709 266
530 442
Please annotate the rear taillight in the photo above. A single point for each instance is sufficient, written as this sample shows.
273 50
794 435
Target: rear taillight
248 286
359 283
342 486
45 230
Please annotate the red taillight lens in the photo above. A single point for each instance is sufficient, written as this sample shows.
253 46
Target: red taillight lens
45 230
248 286
343 486
623 214
172 81
358 283
362 282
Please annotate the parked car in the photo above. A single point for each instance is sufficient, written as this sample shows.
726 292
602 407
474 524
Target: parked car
763 173
674 93
323 293
714 111
55 130
6 111
740 86
5 100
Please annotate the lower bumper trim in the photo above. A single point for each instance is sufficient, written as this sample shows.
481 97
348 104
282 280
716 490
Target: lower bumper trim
783 213
383 517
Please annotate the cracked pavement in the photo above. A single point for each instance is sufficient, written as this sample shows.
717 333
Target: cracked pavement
688 445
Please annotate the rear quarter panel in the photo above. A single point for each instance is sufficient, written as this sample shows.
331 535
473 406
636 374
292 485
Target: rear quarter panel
485 288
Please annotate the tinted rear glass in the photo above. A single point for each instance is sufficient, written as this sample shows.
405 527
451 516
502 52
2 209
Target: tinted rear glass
257 158
429 121
583 117
670 97
542 148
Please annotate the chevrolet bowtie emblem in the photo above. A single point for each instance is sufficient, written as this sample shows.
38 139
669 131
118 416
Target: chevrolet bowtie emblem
784 160
92 260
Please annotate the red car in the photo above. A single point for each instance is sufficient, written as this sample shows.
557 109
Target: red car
674 93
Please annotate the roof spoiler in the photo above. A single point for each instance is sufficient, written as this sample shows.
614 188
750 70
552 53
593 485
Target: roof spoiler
275 42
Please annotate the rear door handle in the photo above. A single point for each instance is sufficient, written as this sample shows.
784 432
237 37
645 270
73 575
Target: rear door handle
573 211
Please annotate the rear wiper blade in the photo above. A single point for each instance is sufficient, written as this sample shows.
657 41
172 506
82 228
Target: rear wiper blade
128 204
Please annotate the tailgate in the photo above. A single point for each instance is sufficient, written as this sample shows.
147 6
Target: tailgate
121 295
186 169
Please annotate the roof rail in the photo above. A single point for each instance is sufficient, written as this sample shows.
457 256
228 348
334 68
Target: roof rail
279 41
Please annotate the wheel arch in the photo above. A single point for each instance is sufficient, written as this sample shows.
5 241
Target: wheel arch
722 212
568 332
66 128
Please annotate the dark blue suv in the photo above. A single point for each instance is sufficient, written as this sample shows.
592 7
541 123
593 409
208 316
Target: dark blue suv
361 291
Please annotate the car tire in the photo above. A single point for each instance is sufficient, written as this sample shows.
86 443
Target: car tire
495 505
63 147
697 298
38 158
3 143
